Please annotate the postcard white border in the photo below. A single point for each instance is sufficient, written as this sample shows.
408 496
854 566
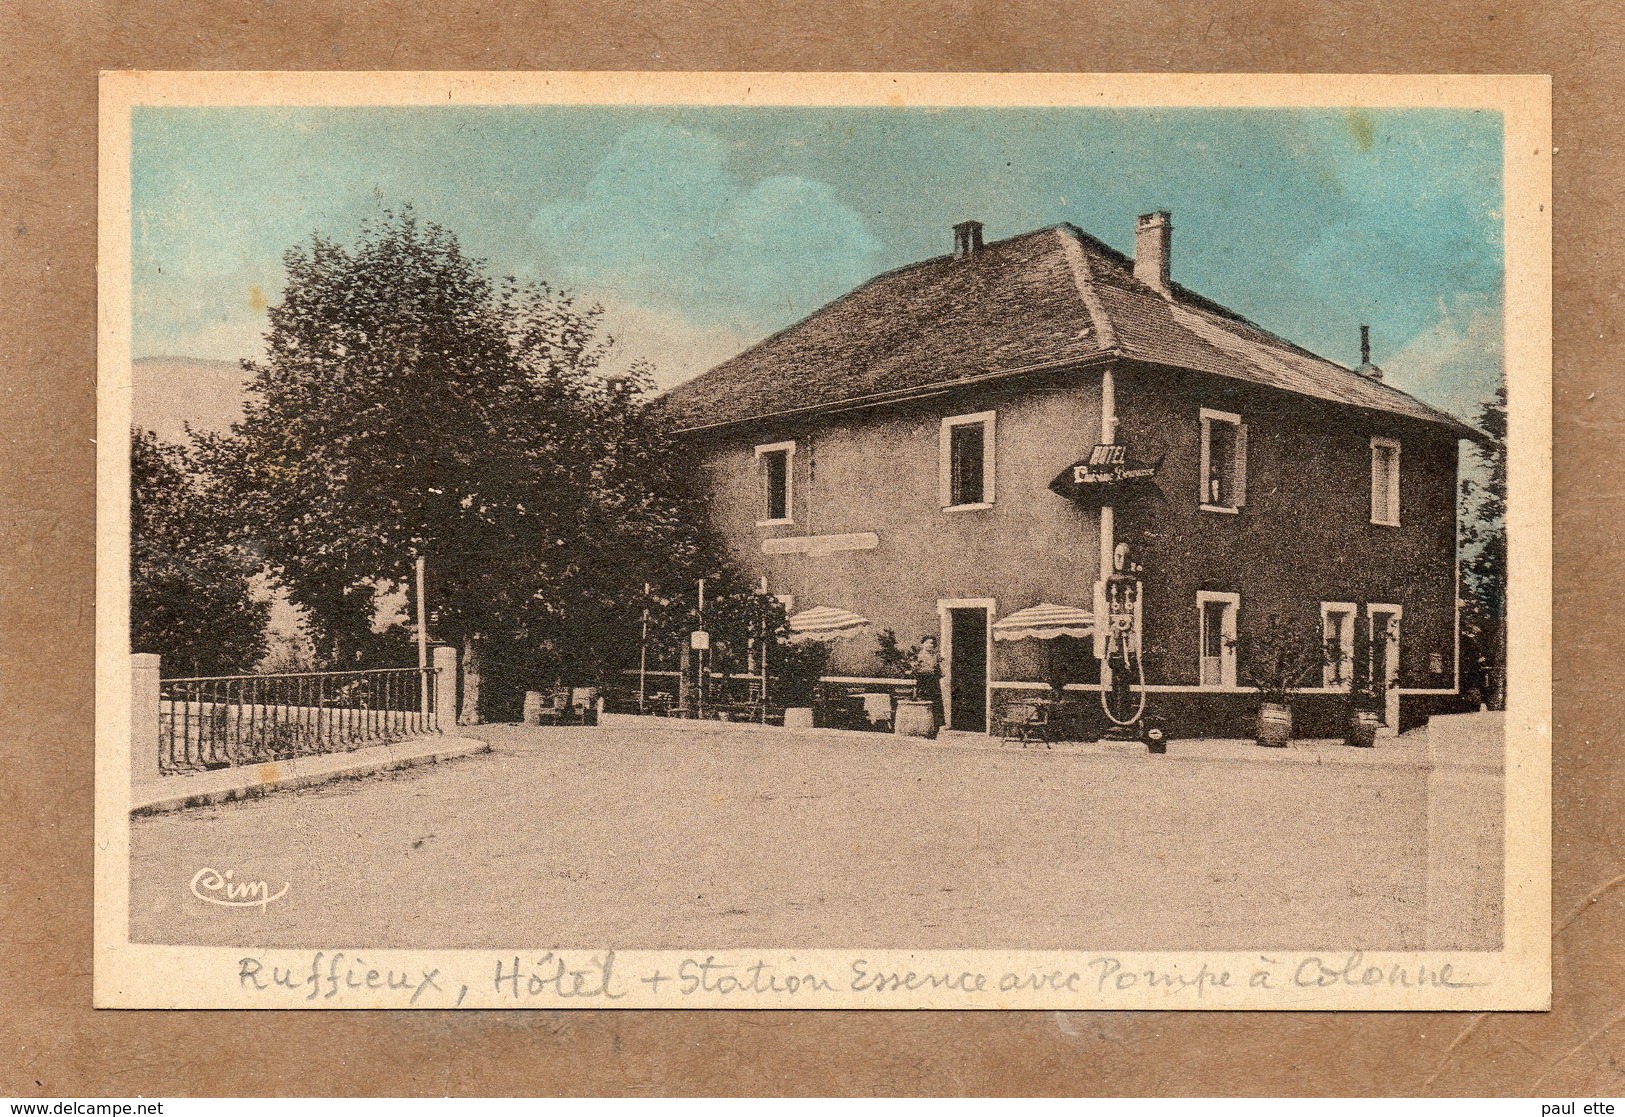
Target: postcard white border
1516 977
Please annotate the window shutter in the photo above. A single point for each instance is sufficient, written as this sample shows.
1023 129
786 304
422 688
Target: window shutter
1241 465
1384 484
1328 634
1207 449
1379 487
1393 485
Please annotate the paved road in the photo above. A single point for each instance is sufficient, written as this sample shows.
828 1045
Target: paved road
661 839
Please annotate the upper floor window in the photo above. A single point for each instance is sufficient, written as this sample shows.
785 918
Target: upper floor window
774 462
1385 481
1224 461
966 462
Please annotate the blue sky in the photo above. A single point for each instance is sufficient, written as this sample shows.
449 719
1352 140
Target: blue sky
702 230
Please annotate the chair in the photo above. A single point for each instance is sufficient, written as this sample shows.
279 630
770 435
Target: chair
583 705
554 708
1025 721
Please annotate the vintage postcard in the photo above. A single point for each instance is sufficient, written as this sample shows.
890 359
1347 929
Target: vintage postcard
824 541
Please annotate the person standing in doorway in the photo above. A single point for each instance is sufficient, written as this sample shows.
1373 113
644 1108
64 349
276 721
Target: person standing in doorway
928 679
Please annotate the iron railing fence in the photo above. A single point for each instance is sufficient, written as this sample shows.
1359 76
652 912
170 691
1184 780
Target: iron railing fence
226 720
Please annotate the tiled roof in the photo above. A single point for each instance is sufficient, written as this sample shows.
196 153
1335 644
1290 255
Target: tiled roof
1042 300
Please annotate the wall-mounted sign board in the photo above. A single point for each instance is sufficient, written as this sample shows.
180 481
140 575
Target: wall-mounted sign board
1106 476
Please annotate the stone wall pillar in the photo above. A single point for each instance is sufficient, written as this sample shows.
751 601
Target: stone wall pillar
445 690
144 740
1466 789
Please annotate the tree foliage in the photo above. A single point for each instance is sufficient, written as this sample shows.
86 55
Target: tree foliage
192 600
894 658
409 404
1483 551
1278 658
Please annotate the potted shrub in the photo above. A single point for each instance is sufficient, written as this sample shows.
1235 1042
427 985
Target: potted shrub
913 715
896 662
1364 714
1365 695
1279 659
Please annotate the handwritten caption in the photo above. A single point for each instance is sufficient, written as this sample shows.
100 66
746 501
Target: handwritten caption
602 978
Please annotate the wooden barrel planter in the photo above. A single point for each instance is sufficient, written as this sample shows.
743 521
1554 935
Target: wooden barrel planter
1362 729
915 718
1274 725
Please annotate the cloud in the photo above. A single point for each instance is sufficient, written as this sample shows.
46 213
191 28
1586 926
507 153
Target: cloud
1457 362
797 229
674 347
666 225
213 313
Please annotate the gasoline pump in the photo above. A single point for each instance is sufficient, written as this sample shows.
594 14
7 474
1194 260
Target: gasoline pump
1119 613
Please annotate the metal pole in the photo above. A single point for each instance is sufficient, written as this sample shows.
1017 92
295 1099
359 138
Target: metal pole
643 653
423 643
699 666
766 639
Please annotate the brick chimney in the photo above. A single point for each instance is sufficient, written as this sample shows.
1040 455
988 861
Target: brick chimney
1153 240
967 239
1366 367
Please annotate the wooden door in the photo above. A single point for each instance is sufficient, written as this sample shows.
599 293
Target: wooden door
967 669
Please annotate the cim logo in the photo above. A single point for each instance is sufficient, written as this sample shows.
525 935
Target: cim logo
214 887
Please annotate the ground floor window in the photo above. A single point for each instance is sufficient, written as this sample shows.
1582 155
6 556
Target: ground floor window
1337 636
1384 663
1217 614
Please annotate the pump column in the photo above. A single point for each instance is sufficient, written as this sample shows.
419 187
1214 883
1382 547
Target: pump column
1108 525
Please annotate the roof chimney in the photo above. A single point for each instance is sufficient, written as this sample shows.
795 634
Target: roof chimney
1153 238
1366 367
967 239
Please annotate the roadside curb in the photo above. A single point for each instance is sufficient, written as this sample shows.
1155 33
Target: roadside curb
205 789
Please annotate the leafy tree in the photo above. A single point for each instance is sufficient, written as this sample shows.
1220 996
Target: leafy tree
192 599
1483 551
409 404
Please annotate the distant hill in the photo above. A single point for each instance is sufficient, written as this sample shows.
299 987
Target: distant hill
173 391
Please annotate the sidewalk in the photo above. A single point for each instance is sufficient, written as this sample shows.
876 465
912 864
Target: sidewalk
222 785
1408 750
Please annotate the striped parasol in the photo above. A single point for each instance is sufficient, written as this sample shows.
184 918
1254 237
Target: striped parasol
1045 622
825 623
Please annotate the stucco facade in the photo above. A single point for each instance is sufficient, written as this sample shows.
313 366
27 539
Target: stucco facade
1304 539
878 472
870 480
1304 535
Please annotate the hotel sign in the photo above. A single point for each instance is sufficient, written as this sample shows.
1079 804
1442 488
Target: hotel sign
1106 475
